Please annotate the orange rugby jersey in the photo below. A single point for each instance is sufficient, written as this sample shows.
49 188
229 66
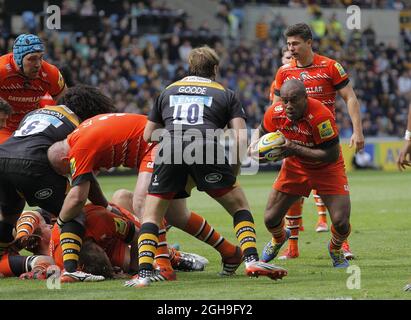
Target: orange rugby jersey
316 127
106 141
322 79
24 94
110 231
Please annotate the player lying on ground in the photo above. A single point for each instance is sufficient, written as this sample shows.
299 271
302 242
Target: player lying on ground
109 239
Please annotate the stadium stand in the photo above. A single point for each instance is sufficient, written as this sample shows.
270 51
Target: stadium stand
133 60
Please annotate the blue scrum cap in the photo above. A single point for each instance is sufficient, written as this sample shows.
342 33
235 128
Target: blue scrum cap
25 44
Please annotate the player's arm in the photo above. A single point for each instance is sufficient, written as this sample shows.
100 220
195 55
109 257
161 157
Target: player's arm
239 126
276 86
326 152
404 158
266 126
75 201
62 93
154 122
252 150
348 94
150 129
58 85
96 195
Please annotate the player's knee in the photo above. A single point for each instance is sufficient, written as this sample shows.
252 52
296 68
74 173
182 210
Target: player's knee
271 218
341 224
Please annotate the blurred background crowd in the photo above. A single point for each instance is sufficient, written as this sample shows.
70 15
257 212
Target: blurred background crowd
132 62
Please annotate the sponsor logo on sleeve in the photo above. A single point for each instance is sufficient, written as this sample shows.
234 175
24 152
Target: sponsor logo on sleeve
121 226
325 129
73 166
61 81
340 69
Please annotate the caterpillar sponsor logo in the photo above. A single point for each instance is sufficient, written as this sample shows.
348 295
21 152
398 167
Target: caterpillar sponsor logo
23 99
316 89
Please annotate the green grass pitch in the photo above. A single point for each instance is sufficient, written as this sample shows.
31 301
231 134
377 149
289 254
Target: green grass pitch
380 239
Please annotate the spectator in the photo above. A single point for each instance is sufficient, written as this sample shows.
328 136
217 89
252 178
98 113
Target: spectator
88 8
133 69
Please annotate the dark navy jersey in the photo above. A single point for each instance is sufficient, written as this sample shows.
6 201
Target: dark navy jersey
196 103
37 131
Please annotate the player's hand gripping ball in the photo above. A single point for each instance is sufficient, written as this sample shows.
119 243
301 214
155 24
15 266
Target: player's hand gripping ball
269 146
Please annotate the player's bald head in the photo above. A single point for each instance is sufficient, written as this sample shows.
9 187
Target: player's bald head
57 155
293 87
294 99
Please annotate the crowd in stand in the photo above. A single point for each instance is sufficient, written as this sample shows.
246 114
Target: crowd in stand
380 4
133 68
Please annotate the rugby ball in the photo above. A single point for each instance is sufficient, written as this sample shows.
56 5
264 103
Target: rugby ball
268 146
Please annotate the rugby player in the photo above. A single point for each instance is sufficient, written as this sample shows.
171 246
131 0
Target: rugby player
26 175
323 78
25 78
313 160
197 102
111 140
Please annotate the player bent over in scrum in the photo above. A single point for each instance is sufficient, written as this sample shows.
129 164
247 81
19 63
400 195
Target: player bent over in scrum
101 142
26 174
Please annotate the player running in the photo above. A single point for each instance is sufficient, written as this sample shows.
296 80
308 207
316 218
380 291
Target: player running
323 78
313 159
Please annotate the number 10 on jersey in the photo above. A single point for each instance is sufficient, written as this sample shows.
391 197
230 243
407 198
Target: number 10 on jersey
189 110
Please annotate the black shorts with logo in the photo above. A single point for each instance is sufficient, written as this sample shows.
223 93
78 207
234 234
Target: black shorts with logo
31 181
171 176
